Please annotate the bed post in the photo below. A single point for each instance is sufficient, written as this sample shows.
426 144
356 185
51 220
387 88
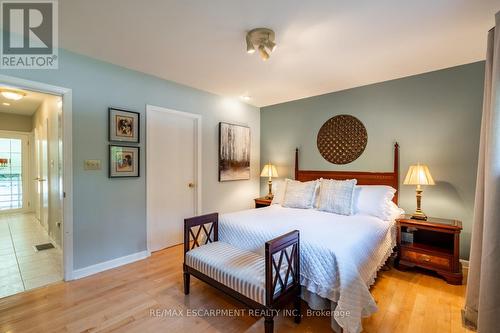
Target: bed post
396 169
296 163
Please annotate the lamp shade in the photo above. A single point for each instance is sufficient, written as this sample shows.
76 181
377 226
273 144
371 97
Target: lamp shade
418 174
269 170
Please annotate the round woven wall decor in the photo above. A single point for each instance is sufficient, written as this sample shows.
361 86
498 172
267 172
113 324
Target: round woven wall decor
342 139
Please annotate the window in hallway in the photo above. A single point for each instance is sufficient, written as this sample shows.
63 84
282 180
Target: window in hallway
11 180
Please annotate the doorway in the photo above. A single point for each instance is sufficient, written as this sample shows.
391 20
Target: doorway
32 228
14 161
173 155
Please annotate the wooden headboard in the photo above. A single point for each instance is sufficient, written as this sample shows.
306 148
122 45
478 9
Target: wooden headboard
364 178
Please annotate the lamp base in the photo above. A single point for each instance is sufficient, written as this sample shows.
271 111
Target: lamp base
270 195
419 216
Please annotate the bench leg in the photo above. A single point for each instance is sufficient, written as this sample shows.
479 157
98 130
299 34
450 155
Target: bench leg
269 324
186 283
297 306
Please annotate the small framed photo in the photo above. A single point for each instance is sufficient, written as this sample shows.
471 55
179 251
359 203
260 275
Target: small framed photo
123 161
123 125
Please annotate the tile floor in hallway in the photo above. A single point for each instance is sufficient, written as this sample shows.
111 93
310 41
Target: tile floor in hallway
21 267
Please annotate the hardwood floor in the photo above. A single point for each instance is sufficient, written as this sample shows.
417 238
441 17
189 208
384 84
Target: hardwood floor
134 298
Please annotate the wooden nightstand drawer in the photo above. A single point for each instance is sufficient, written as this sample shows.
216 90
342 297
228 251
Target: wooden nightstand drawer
262 202
425 259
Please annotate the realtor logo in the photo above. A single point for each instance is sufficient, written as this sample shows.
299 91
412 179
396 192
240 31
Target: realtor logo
29 34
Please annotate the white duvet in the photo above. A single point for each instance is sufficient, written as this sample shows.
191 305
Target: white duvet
340 255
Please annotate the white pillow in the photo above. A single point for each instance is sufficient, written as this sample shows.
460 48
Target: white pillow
279 191
373 200
316 193
337 196
299 194
395 211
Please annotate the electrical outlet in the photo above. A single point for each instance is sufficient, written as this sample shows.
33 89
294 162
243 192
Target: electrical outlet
92 165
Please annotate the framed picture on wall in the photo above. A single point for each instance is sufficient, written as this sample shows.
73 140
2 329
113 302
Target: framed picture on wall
234 152
123 125
124 161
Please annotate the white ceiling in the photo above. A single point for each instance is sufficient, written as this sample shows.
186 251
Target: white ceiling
25 106
323 45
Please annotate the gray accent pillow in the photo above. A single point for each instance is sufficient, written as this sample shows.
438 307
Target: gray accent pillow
299 194
337 196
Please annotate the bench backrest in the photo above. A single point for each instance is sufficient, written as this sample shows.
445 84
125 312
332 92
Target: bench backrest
282 256
200 230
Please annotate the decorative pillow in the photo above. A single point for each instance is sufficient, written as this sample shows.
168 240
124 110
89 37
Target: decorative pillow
337 196
279 188
373 200
299 194
316 193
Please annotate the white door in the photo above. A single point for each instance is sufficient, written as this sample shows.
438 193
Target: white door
173 174
45 174
36 185
41 162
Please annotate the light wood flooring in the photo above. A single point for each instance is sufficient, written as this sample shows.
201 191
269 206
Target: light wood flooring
122 300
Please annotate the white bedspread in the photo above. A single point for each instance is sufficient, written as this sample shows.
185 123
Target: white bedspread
340 255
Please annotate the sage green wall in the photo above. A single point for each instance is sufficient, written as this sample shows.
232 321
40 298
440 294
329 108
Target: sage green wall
435 117
110 214
15 122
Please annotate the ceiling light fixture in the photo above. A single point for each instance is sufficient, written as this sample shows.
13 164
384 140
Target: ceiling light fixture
13 95
250 47
263 39
263 54
6 104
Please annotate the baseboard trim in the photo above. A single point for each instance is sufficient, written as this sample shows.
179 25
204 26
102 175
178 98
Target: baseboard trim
465 263
113 263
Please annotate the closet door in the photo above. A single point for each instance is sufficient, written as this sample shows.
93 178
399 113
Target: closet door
172 174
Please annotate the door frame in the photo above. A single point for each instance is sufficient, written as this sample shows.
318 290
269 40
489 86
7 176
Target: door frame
197 163
26 169
67 141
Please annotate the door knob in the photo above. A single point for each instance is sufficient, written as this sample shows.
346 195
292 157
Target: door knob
190 185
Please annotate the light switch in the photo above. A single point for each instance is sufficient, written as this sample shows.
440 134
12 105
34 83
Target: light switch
92 165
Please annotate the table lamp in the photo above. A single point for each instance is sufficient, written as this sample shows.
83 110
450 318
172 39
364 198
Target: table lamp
269 171
419 175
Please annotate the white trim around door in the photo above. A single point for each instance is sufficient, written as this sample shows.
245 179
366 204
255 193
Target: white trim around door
67 138
198 156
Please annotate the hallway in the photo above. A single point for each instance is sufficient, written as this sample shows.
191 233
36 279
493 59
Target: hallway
21 266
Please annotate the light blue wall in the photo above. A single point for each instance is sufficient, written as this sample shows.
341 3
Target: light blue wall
110 214
434 116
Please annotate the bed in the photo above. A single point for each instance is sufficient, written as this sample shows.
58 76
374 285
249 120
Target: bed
340 255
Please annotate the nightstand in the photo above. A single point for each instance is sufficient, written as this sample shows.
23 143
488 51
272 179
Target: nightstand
262 202
433 244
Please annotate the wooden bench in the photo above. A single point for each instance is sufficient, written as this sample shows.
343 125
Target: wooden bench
263 283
